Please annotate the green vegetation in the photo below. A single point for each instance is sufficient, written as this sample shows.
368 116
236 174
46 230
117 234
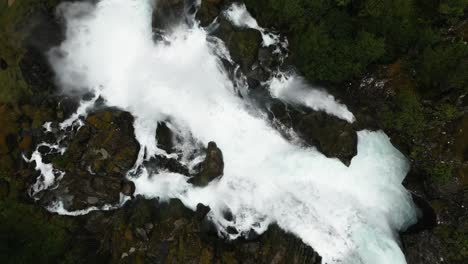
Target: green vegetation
408 116
447 112
444 66
336 40
441 173
13 30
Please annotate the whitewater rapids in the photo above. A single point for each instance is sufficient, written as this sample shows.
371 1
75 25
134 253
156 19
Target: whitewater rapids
347 214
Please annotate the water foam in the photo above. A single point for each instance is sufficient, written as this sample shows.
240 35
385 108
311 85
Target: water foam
294 89
348 214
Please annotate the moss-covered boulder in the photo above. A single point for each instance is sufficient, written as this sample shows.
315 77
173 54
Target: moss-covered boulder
242 43
332 136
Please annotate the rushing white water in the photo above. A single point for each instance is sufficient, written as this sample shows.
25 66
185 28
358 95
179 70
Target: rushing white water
348 214
295 90
239 16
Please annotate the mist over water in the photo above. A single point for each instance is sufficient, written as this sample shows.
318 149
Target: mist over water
347 214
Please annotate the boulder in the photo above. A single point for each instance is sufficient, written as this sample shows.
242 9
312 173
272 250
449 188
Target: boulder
242 43
212 167
332 136
208 11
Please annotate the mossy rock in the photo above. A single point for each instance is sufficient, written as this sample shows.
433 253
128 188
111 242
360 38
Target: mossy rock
208 11
242 43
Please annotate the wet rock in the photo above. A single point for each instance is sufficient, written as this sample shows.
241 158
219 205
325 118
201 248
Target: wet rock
127 188
242 43
208 11
164 137
168 13
332 136
96 161
212 166
158 163
202 211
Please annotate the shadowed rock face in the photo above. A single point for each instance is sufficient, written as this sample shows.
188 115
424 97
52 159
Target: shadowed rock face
330 135
208 11
147 231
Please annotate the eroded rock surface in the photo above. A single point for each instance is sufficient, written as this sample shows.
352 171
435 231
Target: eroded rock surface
96 162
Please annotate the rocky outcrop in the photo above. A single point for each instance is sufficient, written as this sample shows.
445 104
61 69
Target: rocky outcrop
330 135
243 43
148 231
95 162
208 11
211 168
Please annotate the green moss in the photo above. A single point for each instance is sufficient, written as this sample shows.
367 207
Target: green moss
455 242
244 46
447 113
28 234
408 115
443 67
441 173
12 33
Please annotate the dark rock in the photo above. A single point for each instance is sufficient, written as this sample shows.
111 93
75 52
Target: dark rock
3 64
252 235
155 164
4 189
208 11
243 44
44 150
87 96
232 230
227 214
11 141
164 137
96 161
202 211
168 13
331 135
66 107
212 166
427 218
127 188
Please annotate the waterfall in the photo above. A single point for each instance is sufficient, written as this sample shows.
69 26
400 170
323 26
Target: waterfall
348 214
